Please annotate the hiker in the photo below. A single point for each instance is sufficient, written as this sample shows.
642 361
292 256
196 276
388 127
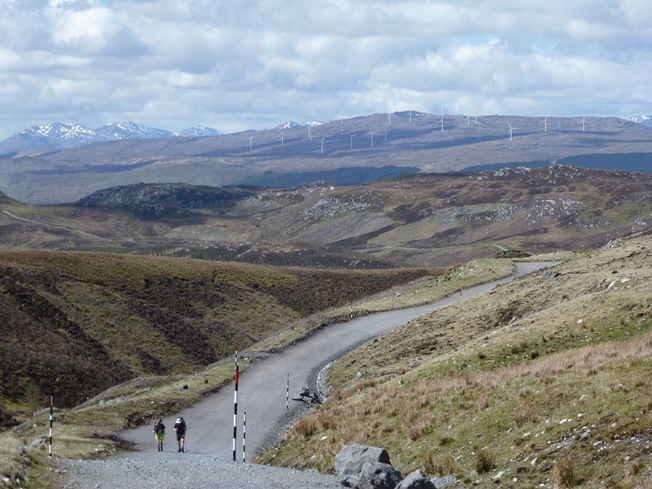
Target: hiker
180 427
159 433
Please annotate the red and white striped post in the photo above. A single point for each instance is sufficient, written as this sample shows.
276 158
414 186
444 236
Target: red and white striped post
244 437
51 416
235 404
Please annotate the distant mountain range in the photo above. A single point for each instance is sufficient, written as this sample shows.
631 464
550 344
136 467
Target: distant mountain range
130 153
71 135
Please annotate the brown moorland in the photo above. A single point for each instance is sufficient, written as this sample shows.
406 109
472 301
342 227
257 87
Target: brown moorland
417 220
74 324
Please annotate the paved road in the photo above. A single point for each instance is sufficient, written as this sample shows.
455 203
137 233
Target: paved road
262 388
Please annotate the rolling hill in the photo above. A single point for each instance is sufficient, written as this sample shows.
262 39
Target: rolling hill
411 220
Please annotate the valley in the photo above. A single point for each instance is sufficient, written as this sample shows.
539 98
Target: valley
128 291
417 220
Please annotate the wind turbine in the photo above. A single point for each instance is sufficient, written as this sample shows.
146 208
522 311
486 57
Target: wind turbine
511 130
322 144
351 136
250 142
410 115
468 120
583 122
282 138
545 123
389 119
442 117
310 131
372 138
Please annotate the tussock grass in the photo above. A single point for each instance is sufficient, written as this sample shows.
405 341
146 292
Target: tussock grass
563 473
544 381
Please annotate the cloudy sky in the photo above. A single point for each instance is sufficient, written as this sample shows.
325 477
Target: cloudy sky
252 64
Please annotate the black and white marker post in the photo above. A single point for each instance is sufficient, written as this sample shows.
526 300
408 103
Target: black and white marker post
51 416
235 404
244 437
287 394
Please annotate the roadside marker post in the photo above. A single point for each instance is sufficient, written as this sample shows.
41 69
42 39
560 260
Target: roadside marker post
244 437
235 405
51 416
287 394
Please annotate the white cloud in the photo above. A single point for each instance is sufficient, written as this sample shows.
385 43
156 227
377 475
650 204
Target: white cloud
240 65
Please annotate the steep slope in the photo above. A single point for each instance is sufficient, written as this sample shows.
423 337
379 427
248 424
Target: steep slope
74 324
542 382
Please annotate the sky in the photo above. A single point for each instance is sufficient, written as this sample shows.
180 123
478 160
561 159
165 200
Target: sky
253 64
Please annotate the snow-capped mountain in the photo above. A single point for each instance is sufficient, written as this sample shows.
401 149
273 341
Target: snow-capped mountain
646 120
70 135
292 124
287 125
129 130
198 131
60 134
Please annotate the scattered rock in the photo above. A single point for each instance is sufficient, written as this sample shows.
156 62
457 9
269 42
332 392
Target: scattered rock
441 482
416 480
37 443
548 275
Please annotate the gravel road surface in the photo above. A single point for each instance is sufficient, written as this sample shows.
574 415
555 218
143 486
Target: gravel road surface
208 461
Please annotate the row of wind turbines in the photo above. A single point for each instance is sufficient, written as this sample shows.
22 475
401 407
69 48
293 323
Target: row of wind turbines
410 115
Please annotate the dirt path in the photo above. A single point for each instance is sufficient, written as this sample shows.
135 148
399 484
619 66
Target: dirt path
52 226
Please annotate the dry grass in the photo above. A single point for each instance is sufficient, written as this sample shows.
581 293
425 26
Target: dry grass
485 460
563 474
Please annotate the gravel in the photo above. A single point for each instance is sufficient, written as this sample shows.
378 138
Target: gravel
172 470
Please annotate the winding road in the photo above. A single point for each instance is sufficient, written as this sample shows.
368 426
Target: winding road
208 461
262 387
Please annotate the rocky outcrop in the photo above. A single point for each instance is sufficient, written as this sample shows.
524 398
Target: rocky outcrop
365 467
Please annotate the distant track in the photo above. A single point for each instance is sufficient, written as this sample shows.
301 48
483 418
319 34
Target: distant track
82 233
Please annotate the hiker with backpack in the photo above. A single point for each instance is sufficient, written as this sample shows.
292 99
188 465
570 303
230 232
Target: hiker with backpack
159 433
181 428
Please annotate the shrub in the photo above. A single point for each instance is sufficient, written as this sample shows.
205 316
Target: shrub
563 473
484 461
439 465
307 426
